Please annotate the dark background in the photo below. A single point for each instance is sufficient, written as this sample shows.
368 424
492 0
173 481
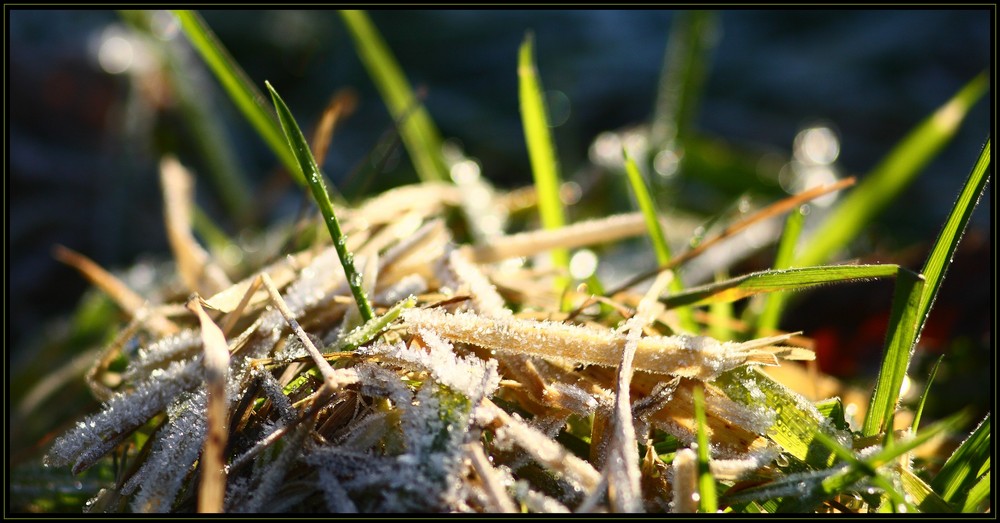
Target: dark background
83 144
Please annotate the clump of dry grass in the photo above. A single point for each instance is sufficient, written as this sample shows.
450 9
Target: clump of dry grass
455 397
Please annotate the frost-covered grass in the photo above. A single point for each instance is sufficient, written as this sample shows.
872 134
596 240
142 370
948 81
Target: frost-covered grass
416 365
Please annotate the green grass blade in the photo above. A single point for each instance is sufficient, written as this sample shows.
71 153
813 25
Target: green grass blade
923 397
910 310
833 410
959 472
544 166
781 280
649 211
888 179
310 171
947 241
921 493
707 500
902 446
774 303
979 494
796 420
656 236
693 34
208 135
368 330
215 238
900 340
721 317
858 469
245 95
419 134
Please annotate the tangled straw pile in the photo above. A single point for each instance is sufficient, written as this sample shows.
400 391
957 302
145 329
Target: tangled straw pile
272 395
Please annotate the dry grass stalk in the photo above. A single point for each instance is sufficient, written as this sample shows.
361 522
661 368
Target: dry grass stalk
685 482
332 379
579 234
194 265
688 356
622 468
212 489
126 298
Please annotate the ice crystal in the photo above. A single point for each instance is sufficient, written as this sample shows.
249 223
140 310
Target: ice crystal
176 346
467 374
267 476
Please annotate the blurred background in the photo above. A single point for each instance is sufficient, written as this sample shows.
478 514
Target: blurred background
94 103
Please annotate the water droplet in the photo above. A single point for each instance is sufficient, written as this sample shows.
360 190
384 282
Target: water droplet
781 460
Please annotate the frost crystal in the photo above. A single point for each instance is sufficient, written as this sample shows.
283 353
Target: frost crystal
180 345
122 414
469 375
175 451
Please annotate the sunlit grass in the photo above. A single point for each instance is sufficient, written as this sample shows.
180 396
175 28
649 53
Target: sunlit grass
468 384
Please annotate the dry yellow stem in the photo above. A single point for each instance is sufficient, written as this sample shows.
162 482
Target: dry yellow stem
492 484
685 482
622 468
332 380
126 298
195 267
546 451
699 357
212 490
577 235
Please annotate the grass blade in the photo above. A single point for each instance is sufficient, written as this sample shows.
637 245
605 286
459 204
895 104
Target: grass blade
923 397
888 179
960 471
979 494
421 137
857 469
212 489
649 211
796 420
774 303
707 500
544 166
781 280
660 246
914 298
247 98
208 134
692 37
946 243
900 340
923 496
366 332
310 171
